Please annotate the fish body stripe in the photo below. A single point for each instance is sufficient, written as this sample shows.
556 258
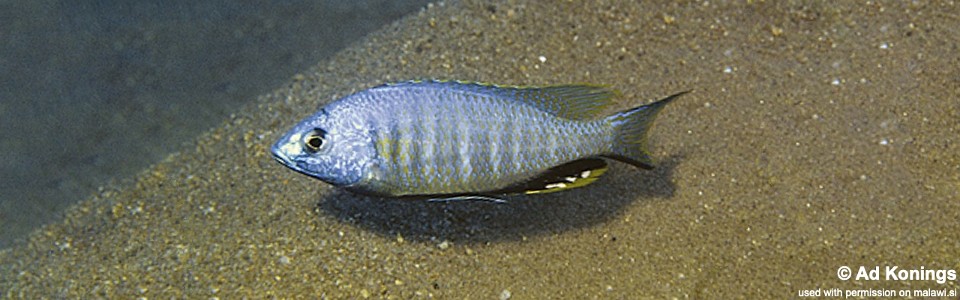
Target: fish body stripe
425 141
515 133
494 141
442 142
462 142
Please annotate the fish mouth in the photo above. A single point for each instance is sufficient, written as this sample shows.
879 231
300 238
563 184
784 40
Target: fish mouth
287 162
281 158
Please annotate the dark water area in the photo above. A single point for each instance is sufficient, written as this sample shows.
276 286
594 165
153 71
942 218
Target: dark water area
92 91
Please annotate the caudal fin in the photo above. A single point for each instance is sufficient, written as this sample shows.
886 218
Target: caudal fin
630 132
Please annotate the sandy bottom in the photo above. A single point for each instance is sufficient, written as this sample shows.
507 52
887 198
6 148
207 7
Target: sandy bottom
816 137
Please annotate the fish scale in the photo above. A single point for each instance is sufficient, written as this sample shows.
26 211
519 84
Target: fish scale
459 138
439 154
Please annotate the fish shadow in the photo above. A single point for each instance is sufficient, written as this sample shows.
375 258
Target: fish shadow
479 222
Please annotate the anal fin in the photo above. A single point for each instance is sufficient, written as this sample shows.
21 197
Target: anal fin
575 174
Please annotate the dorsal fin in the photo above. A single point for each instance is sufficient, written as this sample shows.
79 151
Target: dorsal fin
574 102
567 176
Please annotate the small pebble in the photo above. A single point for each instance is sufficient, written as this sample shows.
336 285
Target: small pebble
505 294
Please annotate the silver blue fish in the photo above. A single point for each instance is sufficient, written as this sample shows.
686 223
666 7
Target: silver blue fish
457 140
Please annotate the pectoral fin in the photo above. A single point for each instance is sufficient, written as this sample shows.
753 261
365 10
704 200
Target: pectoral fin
468 197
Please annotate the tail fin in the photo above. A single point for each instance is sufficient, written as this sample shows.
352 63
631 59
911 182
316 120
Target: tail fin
630 132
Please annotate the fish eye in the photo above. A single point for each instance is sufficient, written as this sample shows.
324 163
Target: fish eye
314 140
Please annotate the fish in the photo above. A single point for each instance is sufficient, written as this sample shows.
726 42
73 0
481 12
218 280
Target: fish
457 140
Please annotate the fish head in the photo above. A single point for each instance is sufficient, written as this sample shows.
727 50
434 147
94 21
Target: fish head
332 145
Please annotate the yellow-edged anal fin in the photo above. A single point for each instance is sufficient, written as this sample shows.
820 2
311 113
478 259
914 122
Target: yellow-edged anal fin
571 175
572 183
